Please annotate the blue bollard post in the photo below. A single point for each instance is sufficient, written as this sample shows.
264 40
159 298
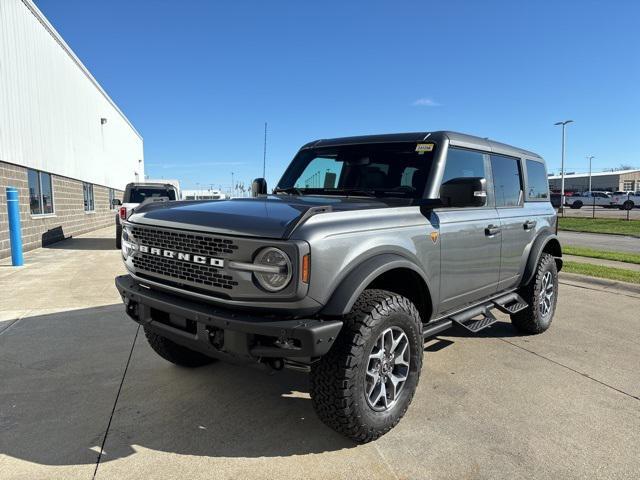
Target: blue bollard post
15 233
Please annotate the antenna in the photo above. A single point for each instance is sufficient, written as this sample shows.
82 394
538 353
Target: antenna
264 153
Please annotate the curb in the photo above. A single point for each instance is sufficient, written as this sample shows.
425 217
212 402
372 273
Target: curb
604 284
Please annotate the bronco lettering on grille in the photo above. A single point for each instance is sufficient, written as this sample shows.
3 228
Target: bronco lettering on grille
185 257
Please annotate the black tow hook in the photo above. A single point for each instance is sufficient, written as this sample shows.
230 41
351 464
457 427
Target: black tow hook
132 309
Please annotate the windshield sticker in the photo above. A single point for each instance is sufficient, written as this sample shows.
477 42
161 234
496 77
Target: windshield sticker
424 147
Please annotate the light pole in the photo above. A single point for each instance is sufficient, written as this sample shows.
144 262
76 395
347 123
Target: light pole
232 189
565 123
590 157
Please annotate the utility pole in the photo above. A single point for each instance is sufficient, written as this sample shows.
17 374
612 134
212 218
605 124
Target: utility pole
232 189
264 152
590 157
564 124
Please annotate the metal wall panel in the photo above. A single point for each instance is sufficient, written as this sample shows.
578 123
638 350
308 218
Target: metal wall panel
51 106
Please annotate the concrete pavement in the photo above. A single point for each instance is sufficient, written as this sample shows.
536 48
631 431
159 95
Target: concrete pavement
564 404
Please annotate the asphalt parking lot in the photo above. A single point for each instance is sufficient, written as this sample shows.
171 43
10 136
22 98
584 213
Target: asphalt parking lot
74 370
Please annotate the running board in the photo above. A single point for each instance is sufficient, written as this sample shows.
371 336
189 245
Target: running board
510 303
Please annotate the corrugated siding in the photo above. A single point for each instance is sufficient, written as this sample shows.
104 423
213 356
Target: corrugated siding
50 110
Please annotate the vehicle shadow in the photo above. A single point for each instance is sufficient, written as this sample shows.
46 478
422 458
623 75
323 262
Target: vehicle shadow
500 329
57 395
84 243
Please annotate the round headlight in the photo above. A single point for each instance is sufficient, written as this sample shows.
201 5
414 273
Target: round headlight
280 278
128 243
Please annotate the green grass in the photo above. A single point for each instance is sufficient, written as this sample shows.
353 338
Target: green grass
600 225
609 273
603 254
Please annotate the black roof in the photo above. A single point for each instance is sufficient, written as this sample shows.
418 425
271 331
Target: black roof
455 139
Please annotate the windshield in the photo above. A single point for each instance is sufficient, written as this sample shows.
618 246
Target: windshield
380 169
139 195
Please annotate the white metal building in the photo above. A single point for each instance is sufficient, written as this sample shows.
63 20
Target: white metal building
63 142
620 180
204 194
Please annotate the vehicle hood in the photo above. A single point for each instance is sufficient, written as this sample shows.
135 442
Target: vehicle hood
272 216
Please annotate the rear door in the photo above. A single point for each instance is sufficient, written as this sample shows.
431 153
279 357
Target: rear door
516 221
470 248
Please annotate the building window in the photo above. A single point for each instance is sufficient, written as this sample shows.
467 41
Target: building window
87 189
40 193
112 197
627 185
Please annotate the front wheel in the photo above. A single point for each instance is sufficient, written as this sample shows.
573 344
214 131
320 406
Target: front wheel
628 205
542 296
576 205
363 386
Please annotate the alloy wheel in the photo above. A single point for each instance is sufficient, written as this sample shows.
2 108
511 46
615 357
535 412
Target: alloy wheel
387 369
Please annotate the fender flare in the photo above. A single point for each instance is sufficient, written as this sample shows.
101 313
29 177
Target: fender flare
536 251
354 283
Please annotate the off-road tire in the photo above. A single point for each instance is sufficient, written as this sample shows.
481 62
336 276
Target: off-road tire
338 378
175 353
118 237
531 320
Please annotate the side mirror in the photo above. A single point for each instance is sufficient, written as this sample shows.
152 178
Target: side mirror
258 187
464 192
116 202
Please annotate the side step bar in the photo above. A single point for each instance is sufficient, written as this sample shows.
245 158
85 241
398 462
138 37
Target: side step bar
510 303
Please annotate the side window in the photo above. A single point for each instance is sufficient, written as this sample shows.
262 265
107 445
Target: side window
463 163
537 183
507 181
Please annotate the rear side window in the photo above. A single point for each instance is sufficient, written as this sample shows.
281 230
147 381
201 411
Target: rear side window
139 195
537 183
507 181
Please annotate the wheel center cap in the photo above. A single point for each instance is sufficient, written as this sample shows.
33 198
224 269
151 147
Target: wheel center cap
386 366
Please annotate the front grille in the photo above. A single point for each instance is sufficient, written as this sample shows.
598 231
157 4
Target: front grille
200 274
184 242
190 273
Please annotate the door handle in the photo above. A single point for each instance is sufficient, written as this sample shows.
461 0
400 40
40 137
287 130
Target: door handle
529 224
491 230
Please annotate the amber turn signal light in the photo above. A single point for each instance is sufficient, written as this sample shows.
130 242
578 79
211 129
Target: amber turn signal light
306 268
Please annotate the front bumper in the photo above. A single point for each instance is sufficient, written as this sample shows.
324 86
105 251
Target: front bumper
223 333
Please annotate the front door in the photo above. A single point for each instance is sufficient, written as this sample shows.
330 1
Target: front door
471 237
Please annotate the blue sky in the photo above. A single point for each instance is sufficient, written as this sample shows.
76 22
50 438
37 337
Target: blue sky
199 78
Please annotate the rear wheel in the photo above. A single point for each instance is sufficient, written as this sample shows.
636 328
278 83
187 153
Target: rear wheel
363 386
175 353
542 296
576 205
628 205
118 237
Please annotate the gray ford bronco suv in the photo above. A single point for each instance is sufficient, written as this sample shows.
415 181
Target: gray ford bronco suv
367 246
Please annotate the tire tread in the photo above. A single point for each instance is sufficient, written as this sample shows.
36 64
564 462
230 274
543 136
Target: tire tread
332 378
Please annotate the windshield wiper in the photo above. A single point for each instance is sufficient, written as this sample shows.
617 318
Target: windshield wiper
350 191
294 190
